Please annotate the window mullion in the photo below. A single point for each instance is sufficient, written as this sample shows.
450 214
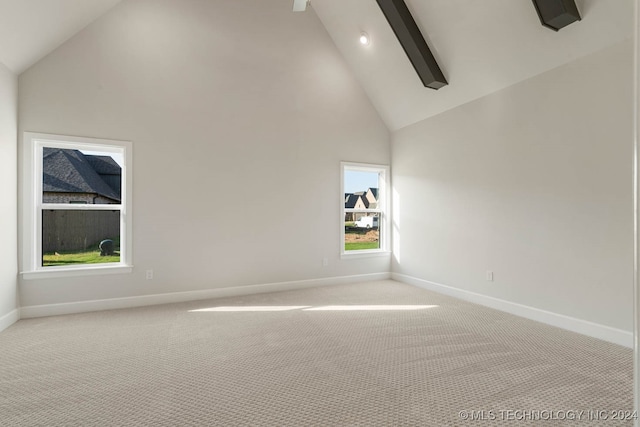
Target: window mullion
80 207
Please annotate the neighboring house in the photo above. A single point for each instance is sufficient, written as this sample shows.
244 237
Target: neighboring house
372 197
70 176
360 200
354 201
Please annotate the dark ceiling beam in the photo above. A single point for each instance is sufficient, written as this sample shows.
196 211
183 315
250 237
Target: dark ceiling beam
557 14
413 43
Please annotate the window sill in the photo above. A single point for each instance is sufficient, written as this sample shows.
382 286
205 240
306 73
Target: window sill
364 254
54 272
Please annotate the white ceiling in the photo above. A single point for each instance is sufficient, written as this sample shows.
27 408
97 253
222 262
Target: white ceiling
481 45
30 29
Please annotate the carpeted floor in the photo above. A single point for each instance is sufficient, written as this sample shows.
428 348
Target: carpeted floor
367 354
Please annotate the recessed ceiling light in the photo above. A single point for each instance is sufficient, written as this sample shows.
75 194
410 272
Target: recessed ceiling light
364 39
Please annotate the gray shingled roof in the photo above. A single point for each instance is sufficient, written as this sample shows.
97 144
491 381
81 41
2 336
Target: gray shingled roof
351 200
104 165
70 171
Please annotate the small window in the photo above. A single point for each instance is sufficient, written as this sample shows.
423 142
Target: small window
364 208
77 205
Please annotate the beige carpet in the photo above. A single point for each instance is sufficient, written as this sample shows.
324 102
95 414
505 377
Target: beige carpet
358 362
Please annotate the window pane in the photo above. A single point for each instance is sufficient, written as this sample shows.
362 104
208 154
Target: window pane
361 189
74 237
82 177
361 231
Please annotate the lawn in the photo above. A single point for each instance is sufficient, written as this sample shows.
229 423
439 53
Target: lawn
356 239
90 256
356 246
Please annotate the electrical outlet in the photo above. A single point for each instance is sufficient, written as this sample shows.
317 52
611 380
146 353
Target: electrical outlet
489 276
325 262
149 274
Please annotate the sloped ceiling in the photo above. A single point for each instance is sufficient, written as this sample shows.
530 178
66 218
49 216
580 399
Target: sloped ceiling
30 29
481 45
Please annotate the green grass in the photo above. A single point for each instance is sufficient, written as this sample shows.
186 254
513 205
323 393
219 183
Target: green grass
90 256
356 246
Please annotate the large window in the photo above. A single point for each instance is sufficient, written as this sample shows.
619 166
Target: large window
364 208
77 205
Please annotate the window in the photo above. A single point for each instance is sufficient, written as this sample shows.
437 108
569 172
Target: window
77 206
364 209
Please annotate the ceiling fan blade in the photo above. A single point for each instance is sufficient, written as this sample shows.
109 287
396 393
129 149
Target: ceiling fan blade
300 5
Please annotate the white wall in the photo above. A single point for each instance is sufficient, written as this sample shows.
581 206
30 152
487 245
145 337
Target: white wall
533 182
8 201
239 113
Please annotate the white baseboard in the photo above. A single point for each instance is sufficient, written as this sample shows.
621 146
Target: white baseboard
9 319
595 330
144 300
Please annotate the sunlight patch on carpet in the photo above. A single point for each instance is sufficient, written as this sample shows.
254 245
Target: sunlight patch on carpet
252 308
258 308
369 307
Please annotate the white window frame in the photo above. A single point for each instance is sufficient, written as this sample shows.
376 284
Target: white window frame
32 206
382 210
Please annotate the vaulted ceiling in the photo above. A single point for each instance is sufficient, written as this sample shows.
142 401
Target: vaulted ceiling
481 45
30 29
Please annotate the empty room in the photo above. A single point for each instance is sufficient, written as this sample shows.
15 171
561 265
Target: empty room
326 213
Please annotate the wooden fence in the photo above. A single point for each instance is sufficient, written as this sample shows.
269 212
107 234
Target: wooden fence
73 230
